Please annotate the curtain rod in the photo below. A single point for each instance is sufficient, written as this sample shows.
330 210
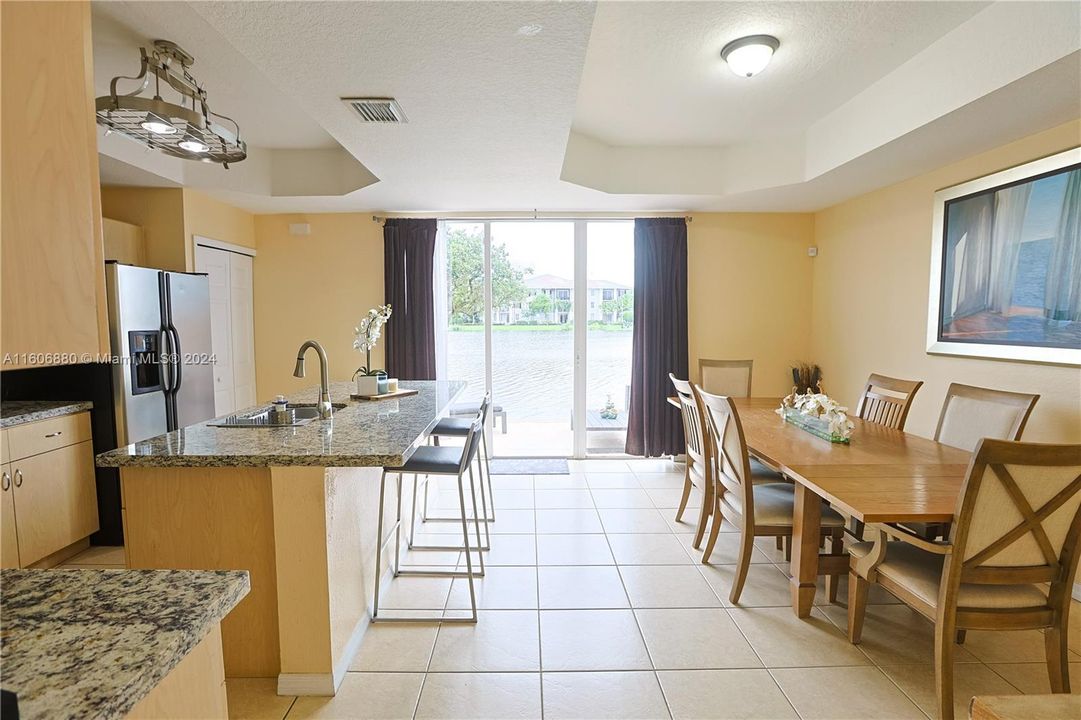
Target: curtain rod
688 218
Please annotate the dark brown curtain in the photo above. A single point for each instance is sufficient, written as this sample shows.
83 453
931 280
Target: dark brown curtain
660 335
408 258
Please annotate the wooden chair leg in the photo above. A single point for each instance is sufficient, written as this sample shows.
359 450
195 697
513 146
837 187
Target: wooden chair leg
857 606
961 637
1058 661
714 531
780 542
788 548
944 635
746 543
687 485
703 515
833 582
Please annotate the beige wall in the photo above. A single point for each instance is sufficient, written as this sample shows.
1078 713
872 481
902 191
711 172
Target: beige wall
749 293
160 213
870 299
313 286
170 217
210 218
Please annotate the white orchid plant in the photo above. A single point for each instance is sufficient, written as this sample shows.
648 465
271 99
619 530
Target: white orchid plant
822 407
366 335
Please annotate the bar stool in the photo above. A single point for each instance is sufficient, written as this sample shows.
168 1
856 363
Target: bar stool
459 427
431 460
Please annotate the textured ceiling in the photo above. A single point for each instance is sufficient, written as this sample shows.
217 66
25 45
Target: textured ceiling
616 106
235 86
653 74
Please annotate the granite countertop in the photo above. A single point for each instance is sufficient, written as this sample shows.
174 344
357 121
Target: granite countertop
92 643
18 412
362 434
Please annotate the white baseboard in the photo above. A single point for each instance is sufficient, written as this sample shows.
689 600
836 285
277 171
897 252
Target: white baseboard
350 651
1076 592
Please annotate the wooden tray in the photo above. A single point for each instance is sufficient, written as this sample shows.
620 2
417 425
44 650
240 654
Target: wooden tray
386 396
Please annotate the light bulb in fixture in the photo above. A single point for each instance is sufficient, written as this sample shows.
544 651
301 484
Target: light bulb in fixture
158 125
193 144
750 55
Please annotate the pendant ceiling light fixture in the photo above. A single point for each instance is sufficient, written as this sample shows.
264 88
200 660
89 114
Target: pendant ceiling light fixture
750 55
187 129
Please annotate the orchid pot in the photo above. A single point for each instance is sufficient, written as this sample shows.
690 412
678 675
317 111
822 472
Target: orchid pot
370 381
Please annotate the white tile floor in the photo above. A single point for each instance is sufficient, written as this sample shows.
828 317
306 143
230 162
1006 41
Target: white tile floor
596 606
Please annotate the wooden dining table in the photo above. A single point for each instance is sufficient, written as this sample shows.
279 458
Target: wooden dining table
880 476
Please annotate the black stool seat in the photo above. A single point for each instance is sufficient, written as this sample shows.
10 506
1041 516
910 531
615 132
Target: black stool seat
453 427
432 459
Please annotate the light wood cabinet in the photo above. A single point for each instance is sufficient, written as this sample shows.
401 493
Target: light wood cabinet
53 293
195 688
52 500
9 541
124 242
56 501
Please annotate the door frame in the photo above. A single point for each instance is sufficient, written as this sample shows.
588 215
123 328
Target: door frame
580 315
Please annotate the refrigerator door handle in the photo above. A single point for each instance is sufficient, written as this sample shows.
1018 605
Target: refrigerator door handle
164 355
178 360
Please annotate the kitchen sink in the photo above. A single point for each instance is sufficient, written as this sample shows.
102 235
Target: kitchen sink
299 414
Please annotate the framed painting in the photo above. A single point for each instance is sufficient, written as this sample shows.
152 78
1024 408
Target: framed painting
1006 264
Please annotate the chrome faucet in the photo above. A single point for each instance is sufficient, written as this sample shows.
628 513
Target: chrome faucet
325 408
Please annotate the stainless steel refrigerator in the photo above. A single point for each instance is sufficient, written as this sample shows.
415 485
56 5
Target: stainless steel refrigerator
159 324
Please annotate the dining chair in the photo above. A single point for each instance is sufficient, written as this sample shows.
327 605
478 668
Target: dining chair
1017 527
696 471
969 414
756 509
885 400
726 377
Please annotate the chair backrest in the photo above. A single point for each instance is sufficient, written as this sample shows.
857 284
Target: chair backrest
731 378
485 405
472 442
693 425
1019 516
970 413
731 463
885 400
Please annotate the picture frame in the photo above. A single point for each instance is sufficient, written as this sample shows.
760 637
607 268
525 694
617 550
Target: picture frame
1005 278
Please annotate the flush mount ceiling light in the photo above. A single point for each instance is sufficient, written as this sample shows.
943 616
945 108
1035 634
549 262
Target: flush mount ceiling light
187 129
750 55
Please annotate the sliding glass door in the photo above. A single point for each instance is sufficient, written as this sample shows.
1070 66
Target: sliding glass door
540 312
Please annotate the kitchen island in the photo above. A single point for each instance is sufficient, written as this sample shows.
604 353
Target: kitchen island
294 506
116 643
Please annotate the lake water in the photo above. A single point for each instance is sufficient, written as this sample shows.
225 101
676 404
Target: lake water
532 370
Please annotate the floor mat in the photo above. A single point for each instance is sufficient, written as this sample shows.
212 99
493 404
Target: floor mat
529 466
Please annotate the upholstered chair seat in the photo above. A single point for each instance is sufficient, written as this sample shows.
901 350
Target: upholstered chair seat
774 505
921 573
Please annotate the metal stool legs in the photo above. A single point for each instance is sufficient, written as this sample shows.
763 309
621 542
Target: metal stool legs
398 570
487 503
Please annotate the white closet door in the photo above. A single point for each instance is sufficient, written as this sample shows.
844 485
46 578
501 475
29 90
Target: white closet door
215 263
243 324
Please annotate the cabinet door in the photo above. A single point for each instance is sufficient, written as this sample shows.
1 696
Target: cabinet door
56 500
243 322
9 543
215 263
53 290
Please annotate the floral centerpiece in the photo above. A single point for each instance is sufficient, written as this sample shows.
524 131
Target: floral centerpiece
819 414
366 335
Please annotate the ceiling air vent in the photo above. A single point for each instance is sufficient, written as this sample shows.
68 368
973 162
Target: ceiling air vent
377 110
